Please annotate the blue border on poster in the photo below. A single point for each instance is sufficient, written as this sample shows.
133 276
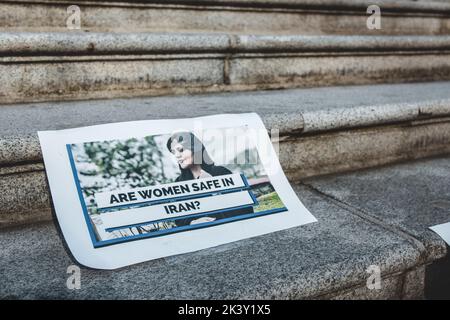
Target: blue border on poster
98 244
95 242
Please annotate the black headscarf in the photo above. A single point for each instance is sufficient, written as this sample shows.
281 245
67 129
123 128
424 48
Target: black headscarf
189 141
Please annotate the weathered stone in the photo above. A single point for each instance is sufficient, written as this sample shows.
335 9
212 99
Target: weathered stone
21 148
410 197
24 198
301 71
414 284
295 110
407 286
71 66
106 79
315 260
82 44
345 150
304 17
107 43
391 288
348 146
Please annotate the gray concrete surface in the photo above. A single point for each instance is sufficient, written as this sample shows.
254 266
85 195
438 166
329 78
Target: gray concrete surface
346 150
295 110
75 66
289 111
319 260
322 131
98 43
410 197
286 17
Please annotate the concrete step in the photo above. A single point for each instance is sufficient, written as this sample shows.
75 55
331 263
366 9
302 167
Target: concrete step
408 198
321 131
236 16
372 219
74 66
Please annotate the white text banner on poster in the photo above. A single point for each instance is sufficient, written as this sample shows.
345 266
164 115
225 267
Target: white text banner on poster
176 209
169 191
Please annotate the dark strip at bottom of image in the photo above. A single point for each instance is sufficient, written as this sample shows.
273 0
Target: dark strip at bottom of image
238 309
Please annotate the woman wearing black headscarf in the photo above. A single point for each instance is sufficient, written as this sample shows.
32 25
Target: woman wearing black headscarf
195 163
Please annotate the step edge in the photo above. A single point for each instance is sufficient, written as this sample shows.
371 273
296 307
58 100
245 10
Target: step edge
26 147
323 5
109 43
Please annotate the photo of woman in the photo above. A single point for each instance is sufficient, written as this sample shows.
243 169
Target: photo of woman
150 160
195 163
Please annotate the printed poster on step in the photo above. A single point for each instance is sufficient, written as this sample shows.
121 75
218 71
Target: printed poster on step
129 192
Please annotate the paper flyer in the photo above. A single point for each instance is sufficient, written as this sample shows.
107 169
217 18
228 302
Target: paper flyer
130 192
443 230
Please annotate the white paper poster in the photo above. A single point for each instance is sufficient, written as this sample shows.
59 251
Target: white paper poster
443 230
134 191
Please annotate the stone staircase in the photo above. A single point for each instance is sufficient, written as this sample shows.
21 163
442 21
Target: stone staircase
71 66
347 98
323 17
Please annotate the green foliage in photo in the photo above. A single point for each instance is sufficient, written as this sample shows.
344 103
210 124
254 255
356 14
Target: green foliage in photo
268 202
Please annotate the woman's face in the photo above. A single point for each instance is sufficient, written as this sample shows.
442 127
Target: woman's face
184 156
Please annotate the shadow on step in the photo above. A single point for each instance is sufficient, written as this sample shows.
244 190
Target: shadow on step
437 275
